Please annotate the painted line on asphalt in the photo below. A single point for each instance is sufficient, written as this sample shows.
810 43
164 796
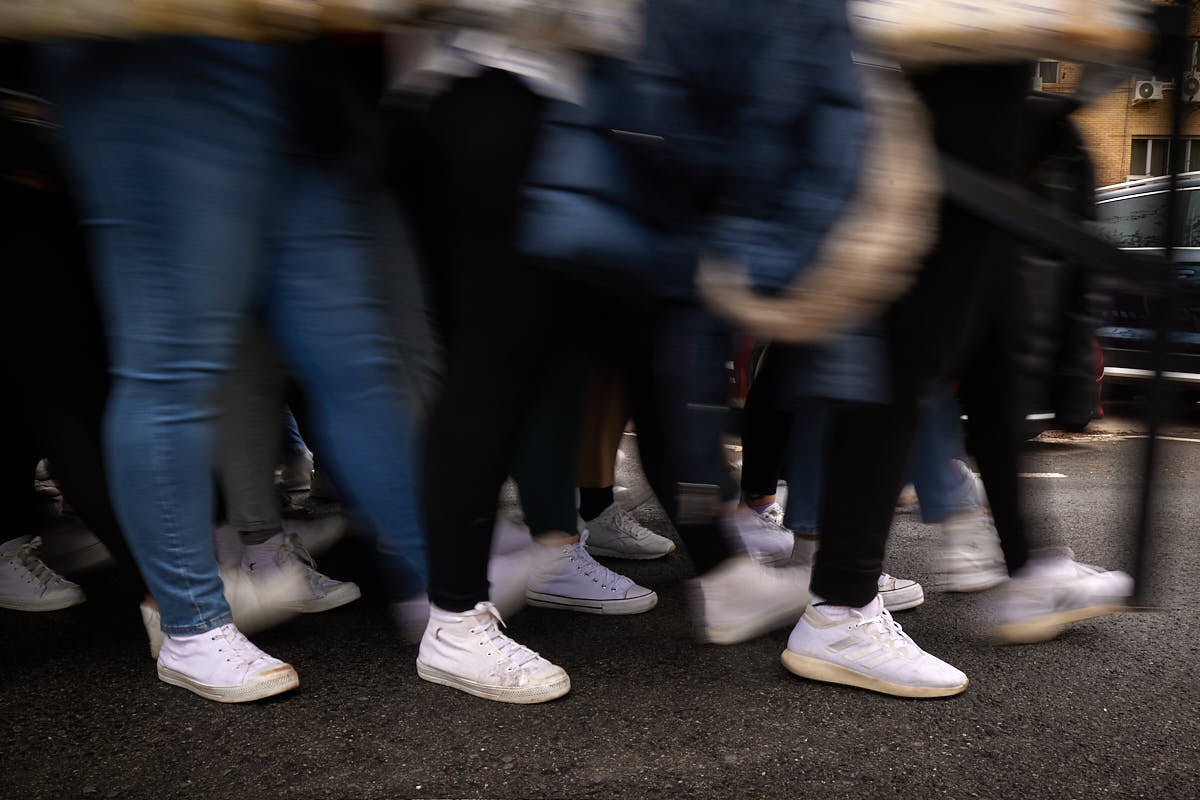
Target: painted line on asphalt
1040 475
1162 438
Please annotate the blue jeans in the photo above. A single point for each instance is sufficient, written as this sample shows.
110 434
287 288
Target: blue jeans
941 489
200 205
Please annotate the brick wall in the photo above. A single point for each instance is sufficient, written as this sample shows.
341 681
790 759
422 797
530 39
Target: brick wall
1110 123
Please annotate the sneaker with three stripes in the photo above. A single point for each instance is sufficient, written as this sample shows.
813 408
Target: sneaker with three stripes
865 647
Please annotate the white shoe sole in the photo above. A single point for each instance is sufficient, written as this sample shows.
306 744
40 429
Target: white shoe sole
42 603
903 599
1048 626
631 555
266 683
342 595
540 693
819 670
629 605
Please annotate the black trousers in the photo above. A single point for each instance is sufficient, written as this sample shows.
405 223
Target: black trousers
509 321
977 117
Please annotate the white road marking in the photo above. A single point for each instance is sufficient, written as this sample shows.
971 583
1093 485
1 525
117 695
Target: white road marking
1040 475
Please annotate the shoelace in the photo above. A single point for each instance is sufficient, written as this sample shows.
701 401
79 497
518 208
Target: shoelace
890 633
773 514
516 654
626 524
244 653
27 556
593 569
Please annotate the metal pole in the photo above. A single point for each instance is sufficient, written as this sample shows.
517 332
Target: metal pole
1163 310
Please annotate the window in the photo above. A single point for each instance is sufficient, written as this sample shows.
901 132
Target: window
1134 221
1151 157
1140 221
1049 71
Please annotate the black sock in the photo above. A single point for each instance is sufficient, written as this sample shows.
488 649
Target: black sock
258 537
592 502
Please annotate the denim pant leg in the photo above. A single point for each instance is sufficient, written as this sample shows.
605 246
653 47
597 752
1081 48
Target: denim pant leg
806 467
291 431
941 489
333 330
171 140
248 432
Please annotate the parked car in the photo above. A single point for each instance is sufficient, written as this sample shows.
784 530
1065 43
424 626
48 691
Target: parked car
1133 215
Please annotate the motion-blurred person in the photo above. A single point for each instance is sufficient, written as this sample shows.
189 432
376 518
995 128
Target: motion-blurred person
847 636
55 355
785 433
708 76
205 196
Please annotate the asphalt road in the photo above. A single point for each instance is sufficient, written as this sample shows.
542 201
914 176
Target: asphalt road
1112 709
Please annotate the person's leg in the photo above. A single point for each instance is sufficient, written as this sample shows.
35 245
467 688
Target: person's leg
248 434
172 162
333 331
56 347
544 466
995 420
173 140
612 531
605 412
969 559
767 424
680 407
941 488
565 576
870 444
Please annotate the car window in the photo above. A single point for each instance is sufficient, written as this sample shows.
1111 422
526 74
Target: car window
1138 221
1191 234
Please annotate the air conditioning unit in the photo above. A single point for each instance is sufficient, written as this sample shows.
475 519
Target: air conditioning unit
1191 87
1144 91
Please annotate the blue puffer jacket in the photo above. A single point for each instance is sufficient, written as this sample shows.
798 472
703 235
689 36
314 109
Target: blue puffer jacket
738 132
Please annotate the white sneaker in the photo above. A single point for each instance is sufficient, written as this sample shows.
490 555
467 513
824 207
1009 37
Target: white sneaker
741 599
1051 592
284 552
865 647
27 584
900 594
223 665
761 533
469 652
566 577
71 547
261 601
970 559
152 619
509 565
616 534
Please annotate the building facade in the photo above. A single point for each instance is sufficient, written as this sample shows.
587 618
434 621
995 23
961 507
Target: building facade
1127 132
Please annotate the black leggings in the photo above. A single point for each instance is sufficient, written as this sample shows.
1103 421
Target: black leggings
511 321
964 285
